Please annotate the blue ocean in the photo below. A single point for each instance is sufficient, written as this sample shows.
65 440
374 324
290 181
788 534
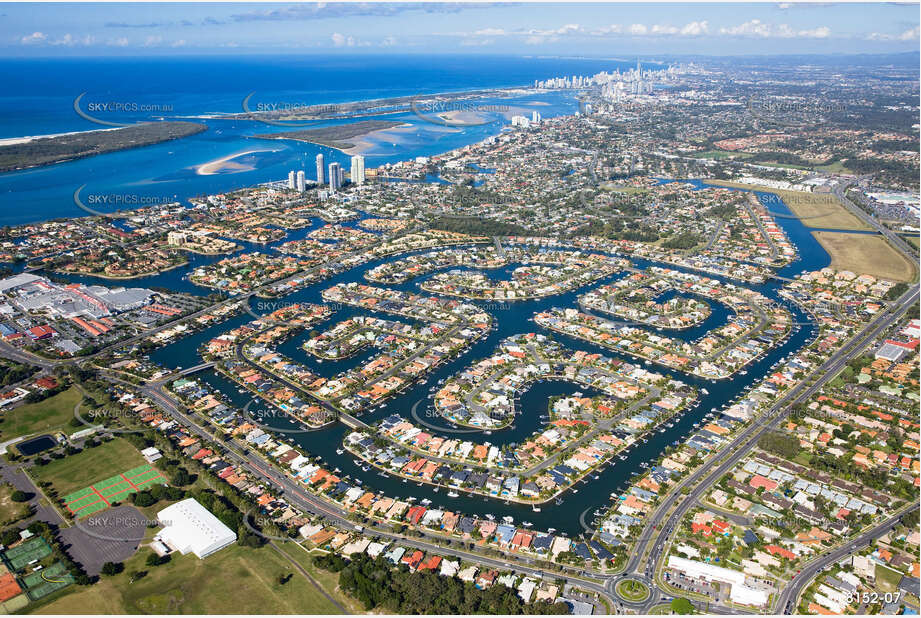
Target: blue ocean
40 96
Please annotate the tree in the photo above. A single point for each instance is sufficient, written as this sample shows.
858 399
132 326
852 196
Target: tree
133 576
19 496
112 568
143 499
680 605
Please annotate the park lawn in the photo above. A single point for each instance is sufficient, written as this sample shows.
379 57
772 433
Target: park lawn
913 240
52 414
89 466
722 154
866 254
328 580
817 210
887 579
835 167
236 580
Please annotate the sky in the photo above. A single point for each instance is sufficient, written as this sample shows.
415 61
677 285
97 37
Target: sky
551 29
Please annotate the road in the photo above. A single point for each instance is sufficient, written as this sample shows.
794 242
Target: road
295 494
703 479
786 601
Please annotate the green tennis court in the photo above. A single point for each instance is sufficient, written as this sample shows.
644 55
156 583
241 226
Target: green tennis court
102 494
35 548
42 583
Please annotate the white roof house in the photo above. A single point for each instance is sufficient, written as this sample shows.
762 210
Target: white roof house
190 527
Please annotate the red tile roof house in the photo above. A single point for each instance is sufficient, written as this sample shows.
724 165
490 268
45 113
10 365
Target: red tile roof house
432 563
413 560
780 551
415 514
486 579
758 481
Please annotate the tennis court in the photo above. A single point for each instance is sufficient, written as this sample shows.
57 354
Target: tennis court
101 495
42 583
35 548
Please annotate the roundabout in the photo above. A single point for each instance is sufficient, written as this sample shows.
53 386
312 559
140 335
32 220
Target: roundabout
631 590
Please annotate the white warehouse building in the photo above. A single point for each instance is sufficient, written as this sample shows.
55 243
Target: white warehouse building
190 527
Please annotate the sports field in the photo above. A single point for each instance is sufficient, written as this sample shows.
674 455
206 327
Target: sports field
35 548
52 414
235 580
77 471
42 583
101 495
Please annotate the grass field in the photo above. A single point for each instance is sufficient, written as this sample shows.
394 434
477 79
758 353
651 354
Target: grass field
89 466
913 240
866 254
817 210
722 154
102 494
887 579
236 580
10 511
53 414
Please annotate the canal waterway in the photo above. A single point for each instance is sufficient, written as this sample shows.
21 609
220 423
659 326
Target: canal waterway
511 318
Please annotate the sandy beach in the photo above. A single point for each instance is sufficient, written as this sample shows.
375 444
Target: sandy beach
227 164
362 146
9 141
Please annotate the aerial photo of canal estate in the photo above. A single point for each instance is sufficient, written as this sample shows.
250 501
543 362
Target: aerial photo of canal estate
427 308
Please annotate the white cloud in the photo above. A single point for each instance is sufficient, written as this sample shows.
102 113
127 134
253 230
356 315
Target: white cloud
695 28
476 42
69 40
822 32
388 41
540 39
911 35
659 29
758 29
119 42
340 40
35 37
754 28
638 29
749 28
908 35
612 29
151 41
